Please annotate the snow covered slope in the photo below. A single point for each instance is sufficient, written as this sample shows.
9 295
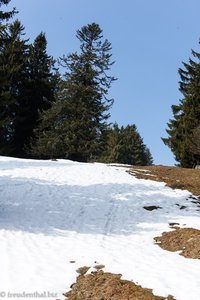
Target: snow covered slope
57 216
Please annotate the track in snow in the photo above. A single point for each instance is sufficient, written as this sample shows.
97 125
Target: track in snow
52 213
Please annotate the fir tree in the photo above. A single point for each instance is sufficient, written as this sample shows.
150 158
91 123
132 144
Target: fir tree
13 74
4 73
5 16
186 114
78 118
113 146
125 145
194 144
38 92
27 87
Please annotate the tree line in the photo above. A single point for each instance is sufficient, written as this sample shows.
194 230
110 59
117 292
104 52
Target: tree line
45 114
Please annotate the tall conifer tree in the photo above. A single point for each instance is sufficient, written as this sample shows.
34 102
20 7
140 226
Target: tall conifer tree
27 87
194 144
79 116
4 73
186 114
13 74
38 92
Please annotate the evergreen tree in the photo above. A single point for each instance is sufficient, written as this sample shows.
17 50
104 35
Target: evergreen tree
131 152
125 145
113 145
5 16
147 158
27 86
194 144
4 73
78 118
13 73
186 114
37 94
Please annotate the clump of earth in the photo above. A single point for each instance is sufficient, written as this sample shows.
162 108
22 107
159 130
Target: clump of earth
100 285
186 240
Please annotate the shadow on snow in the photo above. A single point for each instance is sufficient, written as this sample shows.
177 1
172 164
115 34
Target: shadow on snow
37 206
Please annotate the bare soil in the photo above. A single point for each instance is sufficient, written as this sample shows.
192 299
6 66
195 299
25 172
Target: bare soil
186 240
101 285
174 177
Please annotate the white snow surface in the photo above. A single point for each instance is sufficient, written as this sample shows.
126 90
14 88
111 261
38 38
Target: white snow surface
57 216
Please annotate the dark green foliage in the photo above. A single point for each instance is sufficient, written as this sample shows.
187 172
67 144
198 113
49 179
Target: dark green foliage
6 69
186 114
5 16
73 128
194 144
13 73
27 86
125 145
38 92
50 135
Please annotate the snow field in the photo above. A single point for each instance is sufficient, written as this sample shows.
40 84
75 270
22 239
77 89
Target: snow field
57 216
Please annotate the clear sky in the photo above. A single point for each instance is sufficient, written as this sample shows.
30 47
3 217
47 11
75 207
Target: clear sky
149 41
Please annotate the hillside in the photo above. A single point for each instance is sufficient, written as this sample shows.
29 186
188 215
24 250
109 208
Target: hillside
60 216
180 178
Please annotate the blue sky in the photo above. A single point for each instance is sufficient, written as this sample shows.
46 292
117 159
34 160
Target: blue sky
149 41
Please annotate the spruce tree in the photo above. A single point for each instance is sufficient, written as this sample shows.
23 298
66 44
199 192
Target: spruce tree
186 115
78 118
27 87
125 145
134 151
194 144
13 74
5 16
38 92
113 145
4 73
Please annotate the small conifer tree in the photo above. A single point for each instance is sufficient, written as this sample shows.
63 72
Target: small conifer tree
125 145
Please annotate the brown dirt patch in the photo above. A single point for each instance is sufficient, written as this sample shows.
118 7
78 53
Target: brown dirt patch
186 240
107 286
174 177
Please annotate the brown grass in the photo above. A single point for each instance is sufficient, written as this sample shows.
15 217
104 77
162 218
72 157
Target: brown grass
174 177
186 240
107 286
